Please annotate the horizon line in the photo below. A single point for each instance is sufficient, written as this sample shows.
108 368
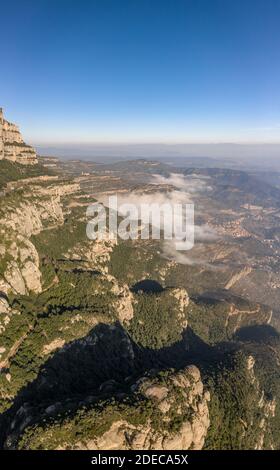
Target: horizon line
116 143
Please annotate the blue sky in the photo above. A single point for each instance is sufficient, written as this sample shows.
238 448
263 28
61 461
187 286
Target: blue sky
142 70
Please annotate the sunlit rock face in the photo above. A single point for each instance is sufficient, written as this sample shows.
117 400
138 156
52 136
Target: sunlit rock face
167 412
12 145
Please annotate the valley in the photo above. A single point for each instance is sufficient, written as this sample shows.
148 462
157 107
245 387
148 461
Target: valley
125 341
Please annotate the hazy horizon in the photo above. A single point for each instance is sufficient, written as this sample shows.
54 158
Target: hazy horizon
253 153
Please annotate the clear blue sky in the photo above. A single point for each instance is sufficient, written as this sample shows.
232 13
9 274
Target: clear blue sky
142 70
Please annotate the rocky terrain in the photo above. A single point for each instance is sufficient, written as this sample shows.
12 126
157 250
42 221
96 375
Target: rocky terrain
12 145
122 345
168 412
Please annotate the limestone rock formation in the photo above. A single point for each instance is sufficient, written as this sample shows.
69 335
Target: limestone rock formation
168 413
265 405
124 302
94 254
183 300
12 145
37 209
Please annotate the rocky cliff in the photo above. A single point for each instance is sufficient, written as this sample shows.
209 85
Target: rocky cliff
26 211
12 145
164 412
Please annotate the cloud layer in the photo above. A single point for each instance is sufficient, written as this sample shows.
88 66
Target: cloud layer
174 189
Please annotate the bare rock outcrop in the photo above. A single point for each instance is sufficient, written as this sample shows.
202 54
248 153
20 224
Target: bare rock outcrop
167 412
124 300
94 254
180 397
14 279
21 273
12 145
5 315
266 408
38 208
4 306
182 298
29 217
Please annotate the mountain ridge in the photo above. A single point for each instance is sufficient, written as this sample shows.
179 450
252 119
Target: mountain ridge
12 145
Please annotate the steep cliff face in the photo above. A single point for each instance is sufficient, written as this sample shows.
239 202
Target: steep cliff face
23 214
266 407
12 145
